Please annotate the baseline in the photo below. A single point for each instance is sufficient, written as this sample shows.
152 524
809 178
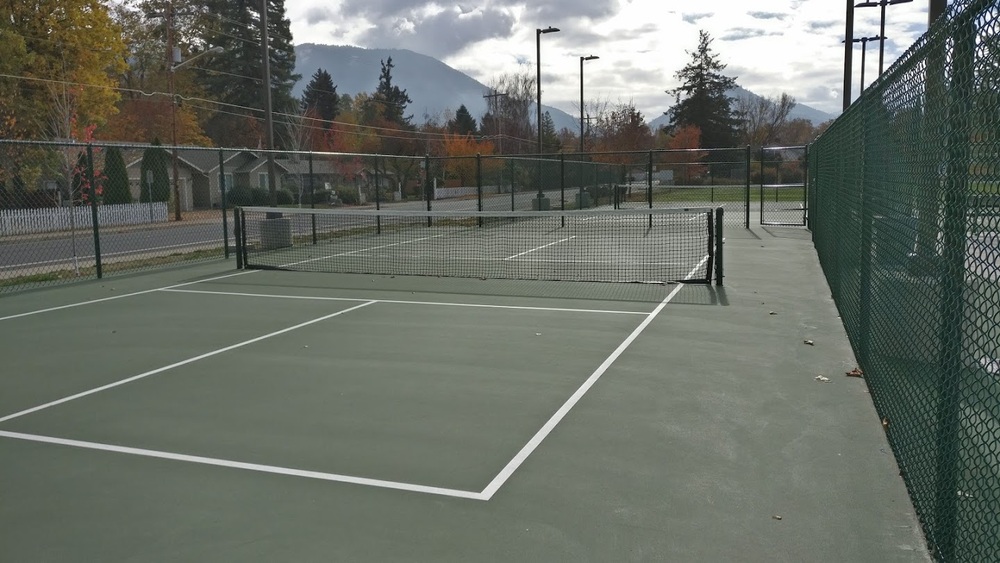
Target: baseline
411 487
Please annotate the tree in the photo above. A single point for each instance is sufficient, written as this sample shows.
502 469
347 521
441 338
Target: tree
623 129
762 119
701 98
154 164
462 169
390 99
74 48
684 161
508 116
550 139
116 188
234 77
463 123
320 99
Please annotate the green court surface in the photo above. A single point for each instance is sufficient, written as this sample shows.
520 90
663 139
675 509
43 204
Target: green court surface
210 414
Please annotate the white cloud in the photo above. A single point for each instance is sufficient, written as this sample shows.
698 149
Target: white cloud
772 46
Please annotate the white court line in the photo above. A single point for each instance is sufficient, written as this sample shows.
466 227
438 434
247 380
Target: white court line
247 466
540 247
240 273
401 302
71 305
178 364
556 418
350 252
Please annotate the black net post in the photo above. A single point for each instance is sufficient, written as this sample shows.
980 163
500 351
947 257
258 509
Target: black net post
223 202
718 245
238 233
92 194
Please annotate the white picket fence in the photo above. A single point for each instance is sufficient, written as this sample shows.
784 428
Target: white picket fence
50 219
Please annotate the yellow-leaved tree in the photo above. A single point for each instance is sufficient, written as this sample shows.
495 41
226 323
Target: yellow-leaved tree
73 55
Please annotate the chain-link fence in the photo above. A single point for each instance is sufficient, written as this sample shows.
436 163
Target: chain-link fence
71 211
905 206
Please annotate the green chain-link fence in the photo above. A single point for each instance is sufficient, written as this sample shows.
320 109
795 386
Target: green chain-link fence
904 207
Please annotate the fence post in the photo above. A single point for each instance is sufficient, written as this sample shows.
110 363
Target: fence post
93 210
238 234
223 203
312 196
479 185
746 194
953 270
378 200
428 188
562 186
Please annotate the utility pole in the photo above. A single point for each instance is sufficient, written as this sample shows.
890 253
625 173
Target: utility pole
268 117
492 102
173 108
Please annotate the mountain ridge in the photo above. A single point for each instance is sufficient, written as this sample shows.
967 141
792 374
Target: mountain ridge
434 87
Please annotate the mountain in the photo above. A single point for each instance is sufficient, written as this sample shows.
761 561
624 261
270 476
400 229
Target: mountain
433 86
800 111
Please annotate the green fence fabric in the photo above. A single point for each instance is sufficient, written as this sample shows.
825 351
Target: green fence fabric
904 207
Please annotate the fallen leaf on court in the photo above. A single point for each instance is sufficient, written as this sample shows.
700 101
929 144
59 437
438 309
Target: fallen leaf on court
538 334
776 517
808 342
822 379
772 313
854 373
885 423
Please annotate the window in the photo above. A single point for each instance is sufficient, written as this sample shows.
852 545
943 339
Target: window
262 180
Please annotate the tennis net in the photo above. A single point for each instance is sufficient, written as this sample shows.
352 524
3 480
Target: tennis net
622 245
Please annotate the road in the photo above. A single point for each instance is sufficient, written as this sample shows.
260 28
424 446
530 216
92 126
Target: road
44 253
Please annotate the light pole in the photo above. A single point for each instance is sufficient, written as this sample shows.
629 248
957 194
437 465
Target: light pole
882 4
590 58
538 103
864 48
176 63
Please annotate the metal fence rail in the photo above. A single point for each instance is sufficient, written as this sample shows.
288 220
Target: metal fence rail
904 210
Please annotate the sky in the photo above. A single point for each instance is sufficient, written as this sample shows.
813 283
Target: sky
770 46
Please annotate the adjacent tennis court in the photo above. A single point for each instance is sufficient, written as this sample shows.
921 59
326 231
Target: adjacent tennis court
211 413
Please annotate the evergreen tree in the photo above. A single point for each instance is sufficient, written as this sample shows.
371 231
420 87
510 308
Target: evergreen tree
154 160
116 185
550 139
701 98
320 99
239 77
391 98
463 122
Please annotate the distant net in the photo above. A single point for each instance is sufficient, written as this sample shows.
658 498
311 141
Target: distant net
624 245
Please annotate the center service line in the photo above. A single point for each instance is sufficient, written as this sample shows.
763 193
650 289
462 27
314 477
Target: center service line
540 247
556 418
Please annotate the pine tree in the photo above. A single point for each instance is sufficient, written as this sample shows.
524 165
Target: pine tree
116 185
239 69
320 99
463 123
392 99
550 139
701 99
154 162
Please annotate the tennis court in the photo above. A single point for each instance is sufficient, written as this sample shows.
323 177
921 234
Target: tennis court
210 413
